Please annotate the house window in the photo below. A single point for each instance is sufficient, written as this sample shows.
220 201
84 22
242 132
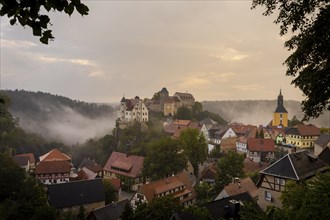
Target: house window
268 196
277 180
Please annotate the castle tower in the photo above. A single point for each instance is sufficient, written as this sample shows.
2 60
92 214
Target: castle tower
280 116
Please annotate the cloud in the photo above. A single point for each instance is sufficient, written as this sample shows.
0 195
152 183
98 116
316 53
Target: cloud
16 44
229 54
82 62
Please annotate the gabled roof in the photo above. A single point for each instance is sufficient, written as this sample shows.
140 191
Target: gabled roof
112 211
179 122
30 155
323 140
50 167
91 165
184 95
86 174
325 155
304 130
54 155
249 166
241 186
124 164
209 172
21 160
220 208
296 166
75 193
260 145
151 190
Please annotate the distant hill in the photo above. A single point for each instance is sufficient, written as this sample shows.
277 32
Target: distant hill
258 112
59 118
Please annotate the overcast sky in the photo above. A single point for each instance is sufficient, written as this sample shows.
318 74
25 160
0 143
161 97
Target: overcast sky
216 50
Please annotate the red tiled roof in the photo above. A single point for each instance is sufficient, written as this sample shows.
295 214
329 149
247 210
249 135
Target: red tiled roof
260 145
241 186
250 167
150 190
123 161
95 168
30 155
308 130
85 174
50 167
209 172
182 122
54 155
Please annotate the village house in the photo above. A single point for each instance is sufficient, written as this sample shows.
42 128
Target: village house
25 161
179 186
132 110
88 194
51 172
243 130
259 149
322 142
111 211
174 128
228 145
126 167
302 136
92 166
239 186
241 145
53 167
296 166
251 167
209 173
229 207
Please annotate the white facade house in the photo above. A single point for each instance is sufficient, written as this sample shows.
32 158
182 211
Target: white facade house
223 133
132 110
241 145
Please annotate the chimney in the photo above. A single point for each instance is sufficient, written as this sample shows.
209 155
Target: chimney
233 209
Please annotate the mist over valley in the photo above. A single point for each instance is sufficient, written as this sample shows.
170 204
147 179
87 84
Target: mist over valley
61 119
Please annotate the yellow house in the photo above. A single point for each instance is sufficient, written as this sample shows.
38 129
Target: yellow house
302 136
280 116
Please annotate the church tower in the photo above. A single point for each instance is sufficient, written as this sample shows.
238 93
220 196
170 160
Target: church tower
280 116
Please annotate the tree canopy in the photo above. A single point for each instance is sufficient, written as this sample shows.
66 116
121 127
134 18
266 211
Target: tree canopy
30 13
309 22
21 196
164 158
229 167
194 146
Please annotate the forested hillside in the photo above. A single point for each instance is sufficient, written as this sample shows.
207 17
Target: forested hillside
59 118
258 112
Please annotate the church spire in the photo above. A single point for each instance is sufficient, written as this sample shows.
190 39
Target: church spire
280 106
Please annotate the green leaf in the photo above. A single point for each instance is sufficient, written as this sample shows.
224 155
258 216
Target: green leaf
47 6
22 21
13 21
82 9
36 26
69 9
44 20
44 40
